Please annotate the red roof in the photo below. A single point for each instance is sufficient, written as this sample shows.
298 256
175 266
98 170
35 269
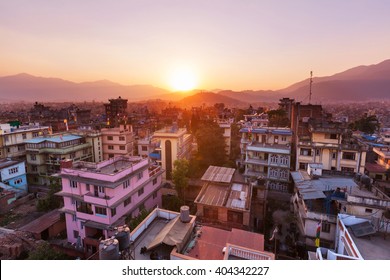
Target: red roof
375 168
212 241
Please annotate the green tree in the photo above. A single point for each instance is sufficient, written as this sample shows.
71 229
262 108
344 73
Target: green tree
180 176
211 144
278 118
45 252
51 201
366 124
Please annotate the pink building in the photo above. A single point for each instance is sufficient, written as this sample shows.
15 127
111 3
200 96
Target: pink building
99 196
118 141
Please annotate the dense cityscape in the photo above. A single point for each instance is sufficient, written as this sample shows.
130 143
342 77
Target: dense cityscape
153 180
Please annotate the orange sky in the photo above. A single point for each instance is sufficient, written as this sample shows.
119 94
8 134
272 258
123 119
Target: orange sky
228 44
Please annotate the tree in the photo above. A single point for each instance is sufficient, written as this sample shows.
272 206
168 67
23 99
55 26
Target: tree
51 201
366 124
278 118
45 252
211 144
180 176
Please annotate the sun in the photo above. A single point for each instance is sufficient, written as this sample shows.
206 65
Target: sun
183 80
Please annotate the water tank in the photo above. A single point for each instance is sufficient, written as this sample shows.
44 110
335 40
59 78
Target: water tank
123 236
109 249
185 214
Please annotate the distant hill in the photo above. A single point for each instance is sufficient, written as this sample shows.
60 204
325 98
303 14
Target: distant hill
209 99
360 83
30 88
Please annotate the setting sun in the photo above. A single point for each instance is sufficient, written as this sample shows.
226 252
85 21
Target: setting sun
183 80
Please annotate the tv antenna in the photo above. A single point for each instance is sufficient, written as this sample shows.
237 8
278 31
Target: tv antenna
311 82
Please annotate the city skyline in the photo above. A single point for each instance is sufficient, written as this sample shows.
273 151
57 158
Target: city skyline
223 44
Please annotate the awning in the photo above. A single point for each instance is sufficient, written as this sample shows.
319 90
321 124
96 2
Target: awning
174 233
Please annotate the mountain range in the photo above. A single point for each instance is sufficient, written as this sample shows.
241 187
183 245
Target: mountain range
361 83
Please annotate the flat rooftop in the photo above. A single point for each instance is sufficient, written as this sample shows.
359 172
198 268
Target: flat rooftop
7 163
55 139
107 167
210 242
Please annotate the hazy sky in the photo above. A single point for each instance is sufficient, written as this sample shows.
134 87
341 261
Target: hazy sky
229 44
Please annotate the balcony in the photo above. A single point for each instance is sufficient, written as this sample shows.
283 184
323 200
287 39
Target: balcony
254 173
256 160
246 253
91 198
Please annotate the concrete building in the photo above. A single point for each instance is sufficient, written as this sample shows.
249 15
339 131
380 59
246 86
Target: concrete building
13 176
12 139
174 143
226 125
266 154
356 239
94 137
146 146
171 235
100 196
117 141
223 201
116 111
255 121
44 155
327 143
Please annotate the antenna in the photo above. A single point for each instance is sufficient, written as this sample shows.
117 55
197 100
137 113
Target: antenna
311 82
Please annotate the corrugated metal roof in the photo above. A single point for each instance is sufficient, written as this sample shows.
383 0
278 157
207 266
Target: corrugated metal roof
56 139
218 174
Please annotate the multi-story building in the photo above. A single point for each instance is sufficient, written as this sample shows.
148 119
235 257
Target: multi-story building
146 146
117 141
94 137
116 111
12 139
328 143
223 201
44 155
266 154
226 125
13 174
100 196
255 120
175 143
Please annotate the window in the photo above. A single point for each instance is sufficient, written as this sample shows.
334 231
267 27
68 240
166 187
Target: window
121 138
126 184
333 136
305 152
349 155
113 212
21 148
33 157
72 155
127 201
302 165
34 168
141 191
82 225
75 234
122 148
35 134
73 184
100 211
154 181
274 159
18 181
24 136
318 152
284 160
276 139
140 175
235 217
110 138
87 187
74 219
110 147
334 155
368 210
347 169
73 201
284 138
325 227
144 148
155 195
13 170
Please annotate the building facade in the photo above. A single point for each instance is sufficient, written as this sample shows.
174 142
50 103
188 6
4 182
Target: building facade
12 139
100 196
174 143
44 155
13 174
117 141
116 111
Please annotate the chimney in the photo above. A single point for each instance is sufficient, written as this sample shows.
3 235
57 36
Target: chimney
185 214
66 163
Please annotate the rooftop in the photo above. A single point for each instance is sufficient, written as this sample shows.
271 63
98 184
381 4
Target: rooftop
268 130
7 163
218 174
55 139
372 246
42 223
170 131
